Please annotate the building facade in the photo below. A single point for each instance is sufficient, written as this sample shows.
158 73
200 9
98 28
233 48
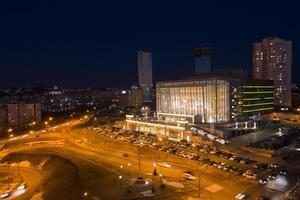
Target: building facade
272 60
3 115
194 100
135 97
202 57
253 97
145 74
20 115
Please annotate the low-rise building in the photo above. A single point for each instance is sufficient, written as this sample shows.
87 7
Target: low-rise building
196 100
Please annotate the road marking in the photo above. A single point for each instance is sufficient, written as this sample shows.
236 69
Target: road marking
214 188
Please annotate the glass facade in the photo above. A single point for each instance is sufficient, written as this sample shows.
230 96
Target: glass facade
208 101
253 97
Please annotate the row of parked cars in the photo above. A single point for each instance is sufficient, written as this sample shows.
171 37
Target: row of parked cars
207 135
183 149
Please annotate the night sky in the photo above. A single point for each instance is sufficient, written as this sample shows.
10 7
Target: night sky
95 43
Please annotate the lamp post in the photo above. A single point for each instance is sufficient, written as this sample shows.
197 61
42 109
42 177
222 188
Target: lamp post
120 180
129 166
8 179
140 159
154 169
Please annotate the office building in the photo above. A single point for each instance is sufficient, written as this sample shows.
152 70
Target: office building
272 60
145 74
20 115
252 97
196 100
202 59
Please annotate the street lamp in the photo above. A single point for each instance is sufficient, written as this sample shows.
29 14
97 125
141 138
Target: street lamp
10 130
154 169
85 194
129 165
120 180
50 118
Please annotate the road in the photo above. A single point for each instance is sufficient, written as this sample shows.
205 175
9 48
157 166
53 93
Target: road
31 177
81 144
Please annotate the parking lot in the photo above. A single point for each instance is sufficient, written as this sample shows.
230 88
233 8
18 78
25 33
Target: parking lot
203 154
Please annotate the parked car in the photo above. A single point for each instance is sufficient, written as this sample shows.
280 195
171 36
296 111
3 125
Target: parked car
263 181
250 175
283 171
272 176
242 196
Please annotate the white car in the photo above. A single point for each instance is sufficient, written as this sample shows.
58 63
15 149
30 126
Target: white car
6 194
188 176
250 175
164 164
241 196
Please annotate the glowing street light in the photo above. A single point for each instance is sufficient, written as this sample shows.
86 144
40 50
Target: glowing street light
50 118
129 166
85 117
10 130
85 194
120 180
46 123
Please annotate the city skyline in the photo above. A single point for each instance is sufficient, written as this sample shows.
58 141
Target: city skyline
58 40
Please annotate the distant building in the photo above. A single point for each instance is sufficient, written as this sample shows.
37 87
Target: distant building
296 97
123 99
145 74
272 60
135 97
202 57
3 115
20 115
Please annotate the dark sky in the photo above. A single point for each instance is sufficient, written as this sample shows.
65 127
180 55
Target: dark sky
95 43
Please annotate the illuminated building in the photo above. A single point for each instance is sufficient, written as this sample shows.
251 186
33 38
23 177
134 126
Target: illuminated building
145 74
22 114
202 58
196 100
253 97
272 60
135 97
3 115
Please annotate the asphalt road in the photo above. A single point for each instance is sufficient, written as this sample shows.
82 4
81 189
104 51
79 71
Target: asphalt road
31 177
108 153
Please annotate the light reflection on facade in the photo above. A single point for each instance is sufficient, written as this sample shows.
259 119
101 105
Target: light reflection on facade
197 101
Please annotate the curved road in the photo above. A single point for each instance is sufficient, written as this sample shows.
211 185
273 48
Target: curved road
31 177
